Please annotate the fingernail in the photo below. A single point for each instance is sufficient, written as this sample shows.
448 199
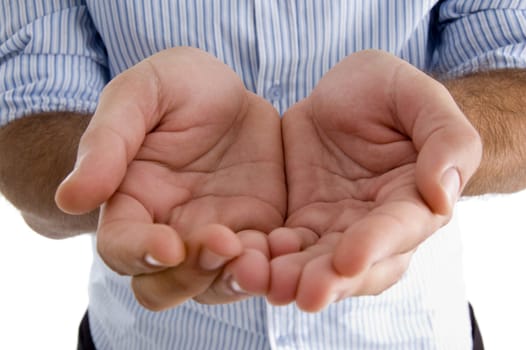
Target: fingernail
66 179
232 285
211 261
451 184
235 287
152 261
74 170
334 298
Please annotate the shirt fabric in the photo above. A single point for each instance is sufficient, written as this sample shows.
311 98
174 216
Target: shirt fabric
57 55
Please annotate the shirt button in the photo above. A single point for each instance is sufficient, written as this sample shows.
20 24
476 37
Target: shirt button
284 341
274 92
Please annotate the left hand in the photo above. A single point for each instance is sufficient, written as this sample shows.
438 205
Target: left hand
376 158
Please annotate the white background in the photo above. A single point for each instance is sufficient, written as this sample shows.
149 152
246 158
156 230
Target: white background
43 290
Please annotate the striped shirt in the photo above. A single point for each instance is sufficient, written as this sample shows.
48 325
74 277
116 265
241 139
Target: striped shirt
57 55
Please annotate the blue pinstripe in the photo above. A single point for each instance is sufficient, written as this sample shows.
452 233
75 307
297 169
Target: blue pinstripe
56 55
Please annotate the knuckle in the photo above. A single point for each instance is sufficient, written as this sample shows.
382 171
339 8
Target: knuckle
113 261
147 301
148 295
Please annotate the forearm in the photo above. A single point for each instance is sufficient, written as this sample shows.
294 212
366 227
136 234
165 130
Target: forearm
36 153
495 104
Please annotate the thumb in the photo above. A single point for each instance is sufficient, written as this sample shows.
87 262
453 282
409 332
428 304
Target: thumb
126 112
448 158
449 148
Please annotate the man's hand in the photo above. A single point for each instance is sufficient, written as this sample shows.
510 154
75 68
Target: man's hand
376 158
176 144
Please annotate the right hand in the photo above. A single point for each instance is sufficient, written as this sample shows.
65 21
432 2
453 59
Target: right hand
177 144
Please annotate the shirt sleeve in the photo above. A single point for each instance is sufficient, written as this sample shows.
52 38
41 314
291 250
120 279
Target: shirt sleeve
480 35
51 58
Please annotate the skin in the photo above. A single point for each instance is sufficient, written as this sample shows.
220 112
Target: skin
375 141
161 202
36 154
494 103
365 188
376 157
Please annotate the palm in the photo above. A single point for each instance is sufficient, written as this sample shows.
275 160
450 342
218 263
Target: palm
230 173
200 148
224 168
339 174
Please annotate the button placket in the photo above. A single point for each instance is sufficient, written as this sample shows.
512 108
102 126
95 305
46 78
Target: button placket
274 92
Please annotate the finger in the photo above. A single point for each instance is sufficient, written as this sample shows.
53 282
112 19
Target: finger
396 227
383 275
250 273
320 285
316 293
127 110
245 276
208 250
449 147
286 240
130 243
445 164
252 239
286 270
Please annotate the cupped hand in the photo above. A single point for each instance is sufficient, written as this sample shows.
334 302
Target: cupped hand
178 144
376 158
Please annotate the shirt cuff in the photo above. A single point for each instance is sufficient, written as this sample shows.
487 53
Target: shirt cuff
481 41
49 83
